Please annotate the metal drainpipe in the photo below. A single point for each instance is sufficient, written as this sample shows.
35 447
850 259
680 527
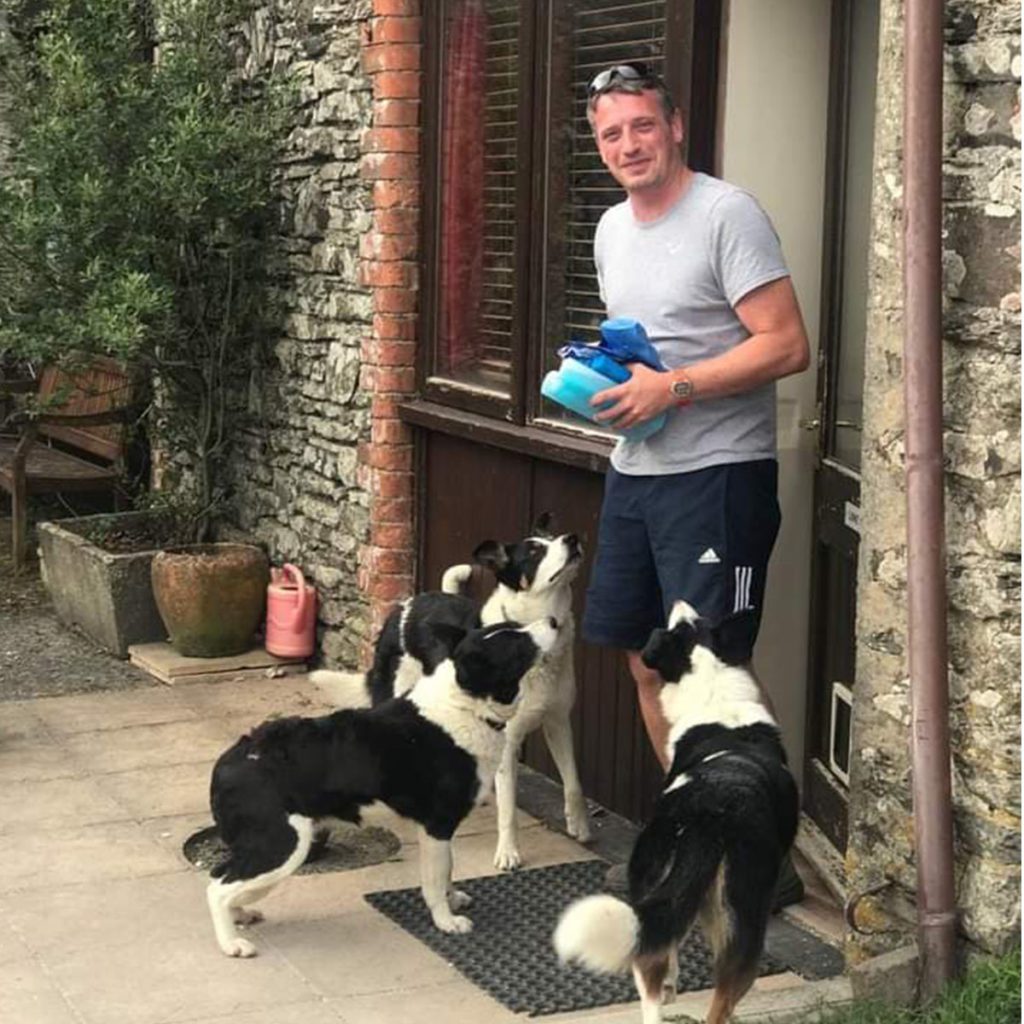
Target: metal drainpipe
926 545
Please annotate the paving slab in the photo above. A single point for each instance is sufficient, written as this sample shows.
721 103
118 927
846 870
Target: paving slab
170 832
31 803
357 953
99 712
457 1002
19 720
55 922
45 858
181 742
39 757
160 981
28 995
12 946
255 699
309 1011
160 790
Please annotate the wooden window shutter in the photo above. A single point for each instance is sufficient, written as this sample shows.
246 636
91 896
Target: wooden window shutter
579 189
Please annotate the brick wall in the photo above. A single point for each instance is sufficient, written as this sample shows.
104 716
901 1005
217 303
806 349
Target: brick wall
390 269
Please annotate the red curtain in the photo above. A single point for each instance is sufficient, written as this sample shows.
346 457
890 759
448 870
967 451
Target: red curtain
462 185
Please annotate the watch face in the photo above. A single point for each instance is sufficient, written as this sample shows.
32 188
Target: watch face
682 388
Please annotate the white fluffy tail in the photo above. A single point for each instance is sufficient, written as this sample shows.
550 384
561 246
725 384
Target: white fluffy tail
455 576
600 932
342 689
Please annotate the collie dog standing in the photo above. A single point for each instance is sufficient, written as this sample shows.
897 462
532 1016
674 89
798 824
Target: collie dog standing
430 756
533 578
724 821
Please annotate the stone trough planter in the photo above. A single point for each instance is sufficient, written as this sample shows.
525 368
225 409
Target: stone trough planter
108 596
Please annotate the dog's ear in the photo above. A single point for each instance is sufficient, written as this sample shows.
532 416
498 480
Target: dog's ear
731 638
542 525
654 650
492 555
449 635
668 652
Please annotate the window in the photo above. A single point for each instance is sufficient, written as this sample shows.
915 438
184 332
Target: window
514 187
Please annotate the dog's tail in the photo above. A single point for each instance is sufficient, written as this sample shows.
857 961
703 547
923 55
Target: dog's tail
600 932
342 689
455 578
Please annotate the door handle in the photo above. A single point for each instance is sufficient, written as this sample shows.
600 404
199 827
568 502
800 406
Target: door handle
814 423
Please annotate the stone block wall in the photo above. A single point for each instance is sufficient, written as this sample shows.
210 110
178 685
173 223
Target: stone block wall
981 353
324 478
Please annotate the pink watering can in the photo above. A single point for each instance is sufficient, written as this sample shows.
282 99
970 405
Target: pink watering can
291 614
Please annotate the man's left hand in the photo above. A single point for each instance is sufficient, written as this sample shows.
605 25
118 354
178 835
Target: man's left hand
637 400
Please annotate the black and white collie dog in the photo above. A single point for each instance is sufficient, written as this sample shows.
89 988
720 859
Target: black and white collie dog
430 756
534 580
720 829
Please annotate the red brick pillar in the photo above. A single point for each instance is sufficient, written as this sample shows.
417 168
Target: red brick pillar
390 268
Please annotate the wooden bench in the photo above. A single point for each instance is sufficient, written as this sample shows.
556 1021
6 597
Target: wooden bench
76 443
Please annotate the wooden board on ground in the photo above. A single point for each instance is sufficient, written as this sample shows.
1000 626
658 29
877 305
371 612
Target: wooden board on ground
162 661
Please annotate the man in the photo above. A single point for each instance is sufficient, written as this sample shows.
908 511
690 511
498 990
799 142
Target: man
691 512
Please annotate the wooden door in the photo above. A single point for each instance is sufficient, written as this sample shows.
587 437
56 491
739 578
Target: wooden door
836 533
471 492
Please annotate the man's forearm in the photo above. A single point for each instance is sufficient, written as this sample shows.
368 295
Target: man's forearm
759 360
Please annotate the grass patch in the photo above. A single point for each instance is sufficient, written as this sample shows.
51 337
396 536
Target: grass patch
989 994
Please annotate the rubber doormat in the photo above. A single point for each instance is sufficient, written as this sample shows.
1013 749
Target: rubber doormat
509 953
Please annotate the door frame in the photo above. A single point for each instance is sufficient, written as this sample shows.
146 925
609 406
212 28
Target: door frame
836 486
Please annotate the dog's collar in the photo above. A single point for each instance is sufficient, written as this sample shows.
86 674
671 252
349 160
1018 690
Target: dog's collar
495 723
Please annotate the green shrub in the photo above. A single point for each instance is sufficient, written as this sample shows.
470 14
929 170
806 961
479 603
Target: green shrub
136 208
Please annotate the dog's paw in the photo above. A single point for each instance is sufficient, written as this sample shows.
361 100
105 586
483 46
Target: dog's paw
246 917
577 821
669 988
239 947
507 858
459 900
454 924
578 826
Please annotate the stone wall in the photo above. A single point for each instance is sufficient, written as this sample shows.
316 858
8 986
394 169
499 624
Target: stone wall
324 478
981 352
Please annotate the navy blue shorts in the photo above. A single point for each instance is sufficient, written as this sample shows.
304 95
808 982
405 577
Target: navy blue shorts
704 537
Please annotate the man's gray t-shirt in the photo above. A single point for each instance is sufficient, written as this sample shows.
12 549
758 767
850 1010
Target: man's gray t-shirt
681 276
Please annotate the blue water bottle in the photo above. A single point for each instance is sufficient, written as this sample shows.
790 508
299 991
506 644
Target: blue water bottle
574 383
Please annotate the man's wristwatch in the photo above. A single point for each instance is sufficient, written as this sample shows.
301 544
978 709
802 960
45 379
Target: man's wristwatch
681 387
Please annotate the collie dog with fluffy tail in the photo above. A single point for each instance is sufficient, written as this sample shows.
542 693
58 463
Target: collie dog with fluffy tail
720 829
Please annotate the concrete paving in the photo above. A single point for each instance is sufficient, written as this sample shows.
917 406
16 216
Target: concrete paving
104 921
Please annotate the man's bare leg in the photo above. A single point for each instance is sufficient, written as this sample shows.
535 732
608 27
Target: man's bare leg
648 692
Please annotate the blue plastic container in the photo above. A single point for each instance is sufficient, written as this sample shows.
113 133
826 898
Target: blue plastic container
623 330
575 383
626 340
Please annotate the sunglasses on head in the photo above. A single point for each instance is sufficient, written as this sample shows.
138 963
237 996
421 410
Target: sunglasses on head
633 71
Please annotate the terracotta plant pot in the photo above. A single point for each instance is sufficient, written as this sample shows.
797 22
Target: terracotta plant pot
211 596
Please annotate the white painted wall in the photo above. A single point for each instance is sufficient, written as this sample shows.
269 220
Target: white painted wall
773 143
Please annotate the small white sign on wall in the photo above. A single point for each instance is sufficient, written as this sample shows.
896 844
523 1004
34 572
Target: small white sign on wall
851 516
